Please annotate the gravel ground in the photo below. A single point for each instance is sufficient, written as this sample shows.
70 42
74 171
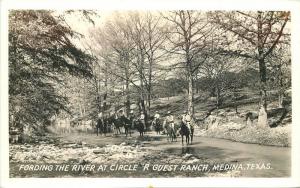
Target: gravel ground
52 151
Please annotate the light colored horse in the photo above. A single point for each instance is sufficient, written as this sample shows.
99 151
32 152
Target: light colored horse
170 131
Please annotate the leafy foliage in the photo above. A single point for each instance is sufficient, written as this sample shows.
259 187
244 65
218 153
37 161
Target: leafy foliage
41 53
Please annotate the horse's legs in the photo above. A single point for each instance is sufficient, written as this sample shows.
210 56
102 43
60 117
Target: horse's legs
192 135
182 139
174 135
187 138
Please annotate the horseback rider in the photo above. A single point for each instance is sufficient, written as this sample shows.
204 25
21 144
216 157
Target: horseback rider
187 120
156 116
141 125
170 120
131 118
131 115
121 114
156 122
189 124
142 118
169 126
183 121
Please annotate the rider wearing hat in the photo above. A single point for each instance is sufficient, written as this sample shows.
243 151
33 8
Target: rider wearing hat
170 119
131 118
156 121
187 120
183 117
121 113
156 116
142 116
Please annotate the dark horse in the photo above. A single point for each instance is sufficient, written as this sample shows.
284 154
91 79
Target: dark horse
185 131
115 122
119 122
157 125
100 126
127 125
139 125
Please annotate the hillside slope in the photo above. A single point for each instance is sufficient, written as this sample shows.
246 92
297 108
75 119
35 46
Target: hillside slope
225 122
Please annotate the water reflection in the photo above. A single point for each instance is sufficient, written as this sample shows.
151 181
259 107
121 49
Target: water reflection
187 149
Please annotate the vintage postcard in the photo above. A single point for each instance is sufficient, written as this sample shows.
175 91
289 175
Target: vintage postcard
185 94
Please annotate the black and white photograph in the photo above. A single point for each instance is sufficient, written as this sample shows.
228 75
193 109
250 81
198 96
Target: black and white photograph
97 93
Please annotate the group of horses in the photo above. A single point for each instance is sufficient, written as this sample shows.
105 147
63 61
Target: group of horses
115 124
184 129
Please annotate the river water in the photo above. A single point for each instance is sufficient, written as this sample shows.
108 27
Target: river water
279 158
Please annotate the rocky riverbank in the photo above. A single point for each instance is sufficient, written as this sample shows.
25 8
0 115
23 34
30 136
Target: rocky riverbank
232 126
129 154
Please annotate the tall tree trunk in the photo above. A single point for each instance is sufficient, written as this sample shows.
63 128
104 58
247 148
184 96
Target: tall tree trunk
127 98
262 116
98 97
149 86
105 88
141 70
127 92
149 103
190 94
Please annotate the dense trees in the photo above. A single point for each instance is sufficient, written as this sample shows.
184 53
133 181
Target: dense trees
133 57
40 52
259 33
187 36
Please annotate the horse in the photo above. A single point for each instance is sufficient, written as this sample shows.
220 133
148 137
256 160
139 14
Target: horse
157 125
127 125
185 131
100 127
117 123
191 128
171 132
139 125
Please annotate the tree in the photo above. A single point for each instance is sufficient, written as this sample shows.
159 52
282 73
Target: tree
258 34
280 71
147 31
113 47
41 52
187 39
131 43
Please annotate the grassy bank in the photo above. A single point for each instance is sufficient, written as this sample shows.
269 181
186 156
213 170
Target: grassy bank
279 136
